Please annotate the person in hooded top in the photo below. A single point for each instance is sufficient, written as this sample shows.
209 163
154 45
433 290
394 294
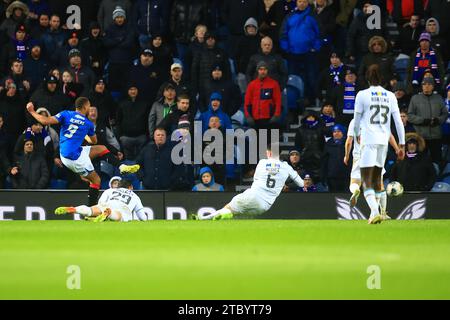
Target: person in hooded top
207 182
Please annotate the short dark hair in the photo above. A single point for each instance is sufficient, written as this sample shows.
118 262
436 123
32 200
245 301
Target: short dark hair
183 96
55 15
124 183
161 129
80 102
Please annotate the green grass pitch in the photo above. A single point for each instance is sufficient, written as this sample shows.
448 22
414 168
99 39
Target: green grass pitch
240 259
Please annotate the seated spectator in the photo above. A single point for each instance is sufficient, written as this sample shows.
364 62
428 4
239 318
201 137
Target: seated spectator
35 67
425 57
343 97
247 45
295 163
415 172
29 170
170 122
17 48
309 140
94 49
156 163
409 35
309 185
69 88
147 74
207 182
262 104
12 107
163 55
331 77
378 54
17 75
162 107
81 74
49 97
106 106
334 171
328 117
231 96
215 109
438 42
105 135
275 63
403 98
16 14
132 118
211 55
42 142
427 113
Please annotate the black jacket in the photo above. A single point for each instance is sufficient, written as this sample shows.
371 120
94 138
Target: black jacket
33 172
119 41
170 122
203 64
409 38
231 95
156 166
185 16
423 177
147 80
236 13
385 62
54 102
106 106
132 117
333 166
13 111
275 65
94 50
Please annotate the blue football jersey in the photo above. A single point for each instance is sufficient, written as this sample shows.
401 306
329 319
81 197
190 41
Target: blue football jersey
74 128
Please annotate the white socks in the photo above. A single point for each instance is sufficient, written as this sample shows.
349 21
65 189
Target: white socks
84 210
382 196
354 187
369 194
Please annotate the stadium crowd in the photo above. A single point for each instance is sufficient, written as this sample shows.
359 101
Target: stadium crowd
150 68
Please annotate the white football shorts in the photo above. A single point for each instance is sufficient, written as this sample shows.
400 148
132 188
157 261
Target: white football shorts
248 202
356 170
116 209
373 155
83 165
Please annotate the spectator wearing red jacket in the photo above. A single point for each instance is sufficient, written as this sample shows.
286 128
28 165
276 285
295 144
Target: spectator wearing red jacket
263 100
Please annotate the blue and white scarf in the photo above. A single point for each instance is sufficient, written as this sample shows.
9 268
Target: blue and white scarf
349 98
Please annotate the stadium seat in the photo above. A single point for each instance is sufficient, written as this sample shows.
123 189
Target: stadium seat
295 90
436 168
446 179
441 187
446 170
401 66
58 184
107 168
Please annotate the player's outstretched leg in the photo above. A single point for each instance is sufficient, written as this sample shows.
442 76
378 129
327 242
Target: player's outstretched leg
65 210
222 214
101 151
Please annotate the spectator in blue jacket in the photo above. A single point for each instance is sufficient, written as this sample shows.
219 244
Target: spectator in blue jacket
215 109
150 17
207 182
300 39
53 40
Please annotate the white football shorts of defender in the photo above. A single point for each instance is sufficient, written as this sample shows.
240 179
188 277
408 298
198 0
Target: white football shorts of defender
268 182
356 153
123 201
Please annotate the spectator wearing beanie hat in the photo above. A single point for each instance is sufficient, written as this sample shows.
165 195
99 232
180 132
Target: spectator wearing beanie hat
425 57
107 9
50 96
119 42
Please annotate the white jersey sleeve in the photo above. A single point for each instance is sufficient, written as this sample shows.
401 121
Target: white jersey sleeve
356 147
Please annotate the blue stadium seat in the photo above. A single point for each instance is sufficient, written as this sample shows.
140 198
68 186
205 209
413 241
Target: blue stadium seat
446 170
401 67
58 184
446 179
107 169
441 187
436 168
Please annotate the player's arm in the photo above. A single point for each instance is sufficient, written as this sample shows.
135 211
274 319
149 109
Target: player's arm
400 131
348 148
139 211
44 120
358 115
295 177
394 144
91 139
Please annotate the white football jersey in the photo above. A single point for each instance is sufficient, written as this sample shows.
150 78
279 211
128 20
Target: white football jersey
270 178
120 197
376 105
356 146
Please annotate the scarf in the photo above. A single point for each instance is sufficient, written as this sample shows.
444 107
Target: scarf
349 98
311 124
411 155
335 73
423 62
329 121
29 134
21 49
